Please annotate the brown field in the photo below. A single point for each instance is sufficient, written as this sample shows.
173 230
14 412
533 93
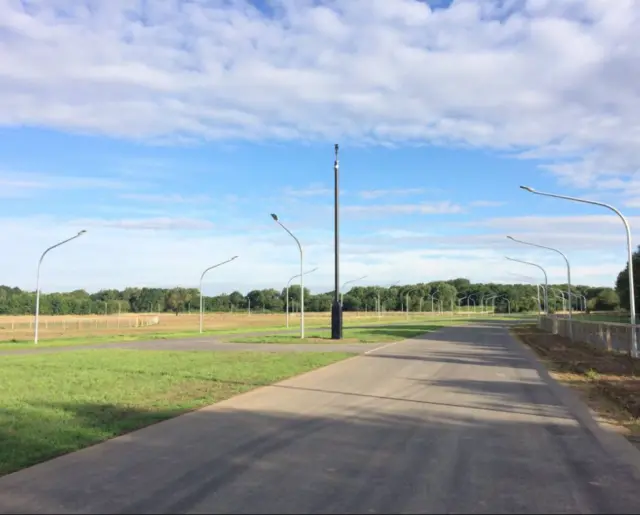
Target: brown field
72 326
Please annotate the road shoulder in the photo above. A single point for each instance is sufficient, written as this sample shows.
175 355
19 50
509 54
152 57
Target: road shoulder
576 385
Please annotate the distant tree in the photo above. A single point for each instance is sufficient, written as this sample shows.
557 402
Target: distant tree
607 300
622 282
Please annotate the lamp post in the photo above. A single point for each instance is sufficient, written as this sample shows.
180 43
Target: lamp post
336 308
201 297
275 217
288 284
508 303
544 292
632 297
566 260
561 293
379 304
406 300
460 299
431 296
349 282
37 313
472 297
546 281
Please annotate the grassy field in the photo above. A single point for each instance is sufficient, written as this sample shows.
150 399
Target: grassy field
184 326
15 329
612 317
58 403
382 333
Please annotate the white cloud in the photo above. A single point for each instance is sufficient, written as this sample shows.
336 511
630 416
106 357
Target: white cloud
26 185
167 252
487 203
589 223
375 194
169 198
425 208
157 224
402 234
535 75
313 190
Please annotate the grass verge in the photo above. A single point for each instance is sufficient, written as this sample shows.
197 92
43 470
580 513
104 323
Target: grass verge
382 333
162 335
167 335
606 381
59 403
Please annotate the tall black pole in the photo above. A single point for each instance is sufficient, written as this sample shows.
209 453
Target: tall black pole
336 308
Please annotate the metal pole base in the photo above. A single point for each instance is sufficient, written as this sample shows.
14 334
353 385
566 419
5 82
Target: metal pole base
336 321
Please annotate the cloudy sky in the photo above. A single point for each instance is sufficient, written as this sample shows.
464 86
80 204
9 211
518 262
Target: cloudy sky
171 129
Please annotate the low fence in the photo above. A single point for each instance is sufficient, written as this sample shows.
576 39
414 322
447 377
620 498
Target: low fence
70 324
614 337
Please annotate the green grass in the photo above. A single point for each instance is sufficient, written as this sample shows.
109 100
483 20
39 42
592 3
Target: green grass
161 335
164 335
614 317
57 403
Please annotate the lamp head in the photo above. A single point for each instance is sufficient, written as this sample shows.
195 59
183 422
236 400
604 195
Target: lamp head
234 257
274 216
510 237
527 188
82 232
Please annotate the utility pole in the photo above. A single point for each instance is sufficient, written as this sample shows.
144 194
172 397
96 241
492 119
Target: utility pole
336 308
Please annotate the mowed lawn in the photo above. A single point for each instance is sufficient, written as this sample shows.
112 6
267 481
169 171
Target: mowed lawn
52 404
376 334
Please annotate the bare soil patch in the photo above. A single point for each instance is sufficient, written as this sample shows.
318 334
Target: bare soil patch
607 382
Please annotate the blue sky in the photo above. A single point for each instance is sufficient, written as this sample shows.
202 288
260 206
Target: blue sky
172 140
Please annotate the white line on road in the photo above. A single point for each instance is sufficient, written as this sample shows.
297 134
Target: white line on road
383 346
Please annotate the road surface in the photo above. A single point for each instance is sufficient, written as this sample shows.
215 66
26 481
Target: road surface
208 343
463 420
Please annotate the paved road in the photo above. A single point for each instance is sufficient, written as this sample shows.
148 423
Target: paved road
221 342
459 421
209 343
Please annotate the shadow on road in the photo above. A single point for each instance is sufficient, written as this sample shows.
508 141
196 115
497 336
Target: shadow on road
361 458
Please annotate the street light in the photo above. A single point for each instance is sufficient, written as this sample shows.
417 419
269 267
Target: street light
275 217
546 281
406 299
473 297
35 335
379 304
349 282
288 284
566 260
504 297
632 298
562 296
201 279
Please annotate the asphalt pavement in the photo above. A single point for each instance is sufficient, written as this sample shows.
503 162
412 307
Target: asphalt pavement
209 343
462 420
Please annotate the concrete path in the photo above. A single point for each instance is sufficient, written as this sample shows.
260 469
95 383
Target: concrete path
217 343
205 344
460 421
221 342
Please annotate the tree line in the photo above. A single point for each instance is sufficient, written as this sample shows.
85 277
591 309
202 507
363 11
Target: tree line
436 296
622 282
